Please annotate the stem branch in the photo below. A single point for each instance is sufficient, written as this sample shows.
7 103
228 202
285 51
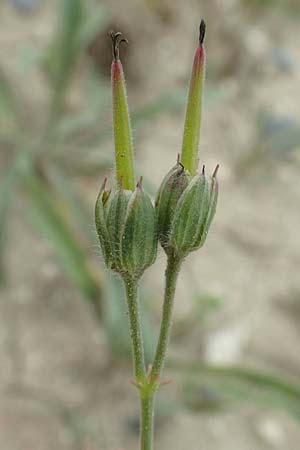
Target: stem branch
148 383
172 271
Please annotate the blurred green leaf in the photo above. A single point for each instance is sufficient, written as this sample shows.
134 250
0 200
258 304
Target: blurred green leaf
75 30
9 108
66 191
173 101
48 217
27 59
96 100
6 198
92 25
241 384
88 138
205 305
116 320
286 6
61 57
85 167
149 334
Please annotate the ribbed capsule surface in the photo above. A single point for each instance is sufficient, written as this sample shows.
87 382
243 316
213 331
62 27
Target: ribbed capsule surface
190 216
172 186
139 240
116 213
126 224
100 219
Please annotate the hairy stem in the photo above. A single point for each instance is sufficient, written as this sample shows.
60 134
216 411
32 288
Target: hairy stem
148 391
148 383
172 271
131 287
147 415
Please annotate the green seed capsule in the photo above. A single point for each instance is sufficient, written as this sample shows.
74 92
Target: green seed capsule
190 215
139 240
169 193
127 228
116 213
193 215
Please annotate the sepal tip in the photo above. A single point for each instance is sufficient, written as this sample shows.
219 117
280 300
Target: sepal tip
202 29
214 175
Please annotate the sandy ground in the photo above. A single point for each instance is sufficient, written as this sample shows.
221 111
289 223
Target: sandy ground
58 385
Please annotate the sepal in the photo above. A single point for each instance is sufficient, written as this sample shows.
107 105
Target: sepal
139 240
100 219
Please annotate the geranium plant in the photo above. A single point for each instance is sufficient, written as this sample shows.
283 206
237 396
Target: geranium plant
130 226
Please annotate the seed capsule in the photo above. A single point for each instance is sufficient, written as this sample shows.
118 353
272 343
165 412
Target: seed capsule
185 208
127 228
194 213
169 193
190 215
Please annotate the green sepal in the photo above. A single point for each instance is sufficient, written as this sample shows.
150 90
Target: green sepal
116 213
100 220
171 189
190 216
214 191
139 240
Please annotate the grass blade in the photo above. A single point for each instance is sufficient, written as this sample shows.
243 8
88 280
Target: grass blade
236 383
48 217
9 110
61 58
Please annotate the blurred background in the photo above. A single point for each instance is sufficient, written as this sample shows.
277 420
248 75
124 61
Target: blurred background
64 348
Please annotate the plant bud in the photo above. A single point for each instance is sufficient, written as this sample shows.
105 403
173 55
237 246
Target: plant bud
127 228
169 193
194 214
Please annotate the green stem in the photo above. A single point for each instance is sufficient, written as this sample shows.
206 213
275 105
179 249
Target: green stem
172 271
131 287
148 383
147 416
146 390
